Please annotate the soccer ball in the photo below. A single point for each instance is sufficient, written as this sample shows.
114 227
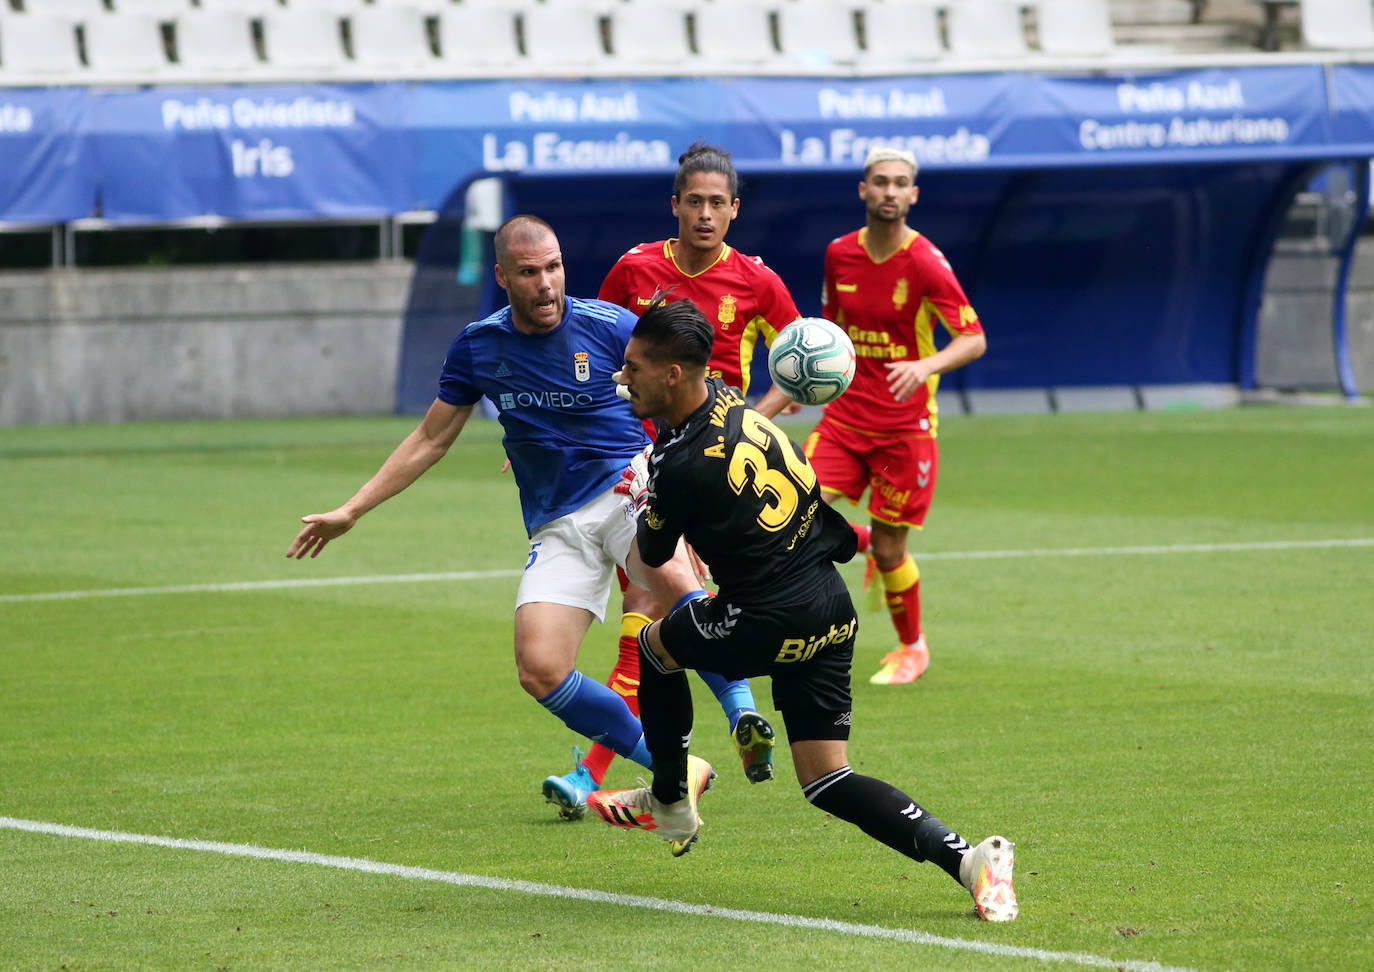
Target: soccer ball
812 361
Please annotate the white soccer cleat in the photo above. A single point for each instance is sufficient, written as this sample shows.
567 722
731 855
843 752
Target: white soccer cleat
986 872
677 822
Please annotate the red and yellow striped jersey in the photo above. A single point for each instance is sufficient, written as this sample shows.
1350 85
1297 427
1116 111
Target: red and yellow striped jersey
739 295
889 311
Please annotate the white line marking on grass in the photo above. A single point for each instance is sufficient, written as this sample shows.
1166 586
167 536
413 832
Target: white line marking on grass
584 894
1039 553
1173 548
266 585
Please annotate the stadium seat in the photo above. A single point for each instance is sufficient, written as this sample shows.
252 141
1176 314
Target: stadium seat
985 29
39 46
898 33
71 9
339 7
478 39
818 33
254 7
303 42
1074 27
429 8
125 45
563 38
216 42
391 38
1345 25
649 36
734 38
162 9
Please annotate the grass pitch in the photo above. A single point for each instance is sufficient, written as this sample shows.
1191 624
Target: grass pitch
1151 640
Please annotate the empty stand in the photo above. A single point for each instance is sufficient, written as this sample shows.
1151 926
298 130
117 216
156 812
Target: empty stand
648 36
734 38
339 7
563 37
1074 27
71 9
391 38
818 33
163 9
1338 24
303 42
255 7
985 29
216 42
43 47
900 33
125 45
480 38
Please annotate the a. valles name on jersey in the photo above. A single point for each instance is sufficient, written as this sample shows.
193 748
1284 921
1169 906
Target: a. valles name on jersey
800 649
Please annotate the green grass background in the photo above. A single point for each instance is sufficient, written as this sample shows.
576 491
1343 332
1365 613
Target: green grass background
1179 743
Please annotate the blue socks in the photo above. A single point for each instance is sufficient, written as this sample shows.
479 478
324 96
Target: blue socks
591 709
734 697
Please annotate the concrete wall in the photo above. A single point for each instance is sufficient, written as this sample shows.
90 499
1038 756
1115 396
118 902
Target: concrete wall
1295 349
306 339
116 345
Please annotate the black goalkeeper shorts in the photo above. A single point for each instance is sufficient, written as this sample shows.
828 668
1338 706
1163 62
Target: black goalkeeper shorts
806 647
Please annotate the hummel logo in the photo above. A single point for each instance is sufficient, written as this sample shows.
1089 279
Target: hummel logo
720 629
912 812
502 371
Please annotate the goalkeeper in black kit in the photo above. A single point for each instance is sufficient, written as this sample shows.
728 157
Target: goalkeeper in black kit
742 494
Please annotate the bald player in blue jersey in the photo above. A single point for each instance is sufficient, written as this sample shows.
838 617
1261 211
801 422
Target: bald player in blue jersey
546 362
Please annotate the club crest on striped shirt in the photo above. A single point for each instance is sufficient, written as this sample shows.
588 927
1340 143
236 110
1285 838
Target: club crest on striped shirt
582 366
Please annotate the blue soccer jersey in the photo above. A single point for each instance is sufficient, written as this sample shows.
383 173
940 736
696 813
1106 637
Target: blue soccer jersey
569 436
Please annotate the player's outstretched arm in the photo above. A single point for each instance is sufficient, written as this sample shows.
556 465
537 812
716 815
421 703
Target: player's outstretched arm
425 446
774 402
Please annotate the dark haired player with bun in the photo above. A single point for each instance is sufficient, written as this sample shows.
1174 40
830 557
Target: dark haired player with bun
726 479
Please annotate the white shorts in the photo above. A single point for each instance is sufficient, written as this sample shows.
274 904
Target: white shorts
573 558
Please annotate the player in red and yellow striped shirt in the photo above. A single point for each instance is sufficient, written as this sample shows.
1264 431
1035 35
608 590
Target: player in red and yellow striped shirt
745 302
742 298
889 287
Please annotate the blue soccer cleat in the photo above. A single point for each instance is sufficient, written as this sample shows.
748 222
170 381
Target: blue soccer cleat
569 792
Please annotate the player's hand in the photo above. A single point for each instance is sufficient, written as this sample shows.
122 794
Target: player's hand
505 466
634 481
319 529
791 408
621 388
699 566
905 377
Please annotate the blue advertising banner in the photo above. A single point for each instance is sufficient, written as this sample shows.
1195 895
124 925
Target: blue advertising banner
1352 109
463 129
949 121
47 173
261 152
1211 115
264 152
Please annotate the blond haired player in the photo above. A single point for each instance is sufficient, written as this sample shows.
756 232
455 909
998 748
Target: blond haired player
889 287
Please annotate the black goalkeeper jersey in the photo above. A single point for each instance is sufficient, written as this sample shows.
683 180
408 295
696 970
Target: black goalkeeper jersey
745 498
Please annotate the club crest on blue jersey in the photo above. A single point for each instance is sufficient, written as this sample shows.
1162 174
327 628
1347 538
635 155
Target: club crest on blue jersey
582 366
